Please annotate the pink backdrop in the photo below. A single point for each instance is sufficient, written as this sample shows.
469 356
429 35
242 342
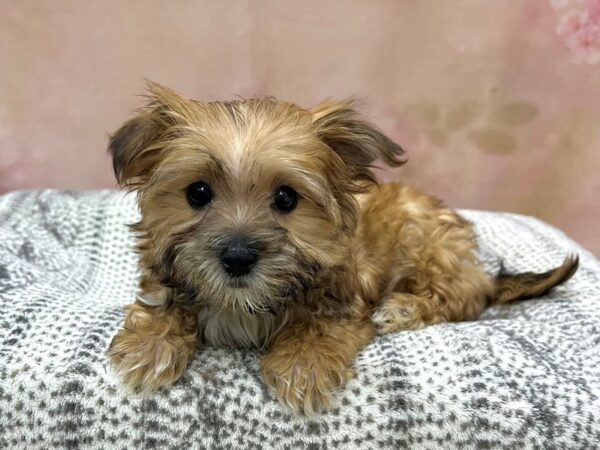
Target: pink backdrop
497 102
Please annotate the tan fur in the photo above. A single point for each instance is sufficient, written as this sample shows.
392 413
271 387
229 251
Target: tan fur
154 346
353 259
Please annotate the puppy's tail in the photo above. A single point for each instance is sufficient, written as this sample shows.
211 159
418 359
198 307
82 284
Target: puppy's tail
529 284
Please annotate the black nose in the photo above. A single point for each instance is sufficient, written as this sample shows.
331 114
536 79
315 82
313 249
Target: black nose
238 259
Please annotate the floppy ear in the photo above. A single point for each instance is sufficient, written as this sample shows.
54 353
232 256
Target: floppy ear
355 141
136 146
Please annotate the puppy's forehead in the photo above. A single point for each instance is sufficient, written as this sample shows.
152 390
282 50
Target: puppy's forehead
246 136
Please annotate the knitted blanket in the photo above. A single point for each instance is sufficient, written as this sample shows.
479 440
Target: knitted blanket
526 375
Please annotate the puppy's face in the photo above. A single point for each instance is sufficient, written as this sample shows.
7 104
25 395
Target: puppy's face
245 203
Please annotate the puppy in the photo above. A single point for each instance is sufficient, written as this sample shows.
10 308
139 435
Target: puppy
262 226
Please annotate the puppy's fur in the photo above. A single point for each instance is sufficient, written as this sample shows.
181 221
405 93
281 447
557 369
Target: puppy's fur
352 260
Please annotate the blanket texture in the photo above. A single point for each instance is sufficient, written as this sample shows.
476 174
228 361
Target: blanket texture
525 375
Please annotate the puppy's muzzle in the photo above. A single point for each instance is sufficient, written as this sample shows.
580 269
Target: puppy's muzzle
238 258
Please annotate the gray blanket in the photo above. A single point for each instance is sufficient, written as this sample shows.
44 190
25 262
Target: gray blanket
525 375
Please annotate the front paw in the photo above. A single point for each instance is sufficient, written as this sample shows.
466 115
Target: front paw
146 360
307 383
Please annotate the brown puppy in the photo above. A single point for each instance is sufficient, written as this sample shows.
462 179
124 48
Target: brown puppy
262 226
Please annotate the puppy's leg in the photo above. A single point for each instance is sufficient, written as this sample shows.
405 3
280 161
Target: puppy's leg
434 295
443 281
417 260
307 364
155 344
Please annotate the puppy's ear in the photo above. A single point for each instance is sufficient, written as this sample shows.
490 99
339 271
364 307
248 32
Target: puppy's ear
136 147
355 141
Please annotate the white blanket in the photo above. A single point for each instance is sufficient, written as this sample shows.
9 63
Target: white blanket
524 375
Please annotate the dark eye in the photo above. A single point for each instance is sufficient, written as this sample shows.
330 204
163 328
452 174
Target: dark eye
285 199
199 194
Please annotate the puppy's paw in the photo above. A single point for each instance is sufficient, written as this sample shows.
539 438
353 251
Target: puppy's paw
306 383
147 361
398 312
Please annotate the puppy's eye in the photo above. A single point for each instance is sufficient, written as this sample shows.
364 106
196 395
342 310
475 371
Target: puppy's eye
199 194
285 199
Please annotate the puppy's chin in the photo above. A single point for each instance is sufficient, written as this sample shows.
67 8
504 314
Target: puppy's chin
253 293
250 297
242 282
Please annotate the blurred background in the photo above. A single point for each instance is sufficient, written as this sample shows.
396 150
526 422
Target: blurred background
496 102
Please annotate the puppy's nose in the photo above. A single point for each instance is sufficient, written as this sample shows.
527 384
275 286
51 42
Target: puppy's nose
238 259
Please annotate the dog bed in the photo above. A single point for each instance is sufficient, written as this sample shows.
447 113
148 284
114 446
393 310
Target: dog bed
524 375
